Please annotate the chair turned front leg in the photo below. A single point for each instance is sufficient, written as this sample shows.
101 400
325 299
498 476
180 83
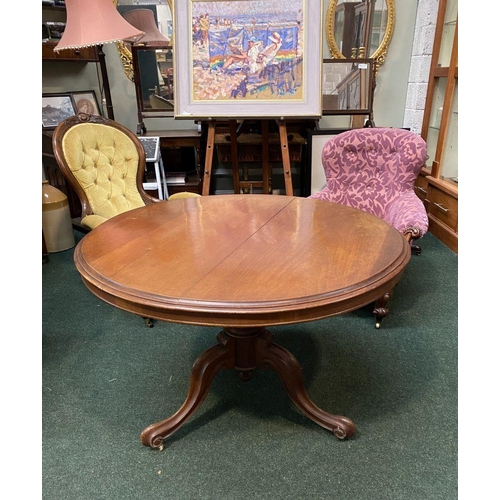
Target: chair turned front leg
411 234
380 310
415 249
148 322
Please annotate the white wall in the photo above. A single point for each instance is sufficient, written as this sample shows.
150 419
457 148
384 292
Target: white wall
425 27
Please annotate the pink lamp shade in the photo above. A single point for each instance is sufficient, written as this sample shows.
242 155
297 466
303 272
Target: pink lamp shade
144 20
94 22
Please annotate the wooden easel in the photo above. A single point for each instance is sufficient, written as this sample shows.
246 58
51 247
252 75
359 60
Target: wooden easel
239 184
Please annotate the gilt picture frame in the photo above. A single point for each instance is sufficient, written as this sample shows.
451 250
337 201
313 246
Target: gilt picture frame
247 59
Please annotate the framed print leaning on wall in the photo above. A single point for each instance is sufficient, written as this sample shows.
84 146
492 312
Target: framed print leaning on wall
86 102
56 108
247 58
316 140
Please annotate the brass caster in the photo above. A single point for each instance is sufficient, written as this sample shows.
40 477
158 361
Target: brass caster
377 325
155 446
339 433
149 322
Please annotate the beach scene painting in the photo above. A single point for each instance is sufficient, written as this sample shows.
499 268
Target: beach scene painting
247 51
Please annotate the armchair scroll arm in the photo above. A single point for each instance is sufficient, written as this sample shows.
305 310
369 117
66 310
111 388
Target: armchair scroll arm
408 215
412 233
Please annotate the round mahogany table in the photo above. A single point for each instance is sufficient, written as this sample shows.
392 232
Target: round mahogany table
244 263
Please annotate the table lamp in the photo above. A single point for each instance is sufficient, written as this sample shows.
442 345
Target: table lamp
92 23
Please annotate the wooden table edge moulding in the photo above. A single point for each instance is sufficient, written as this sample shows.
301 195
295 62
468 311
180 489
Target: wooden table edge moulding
242 263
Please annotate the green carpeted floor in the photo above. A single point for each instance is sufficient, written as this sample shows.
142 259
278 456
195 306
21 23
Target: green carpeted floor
106 376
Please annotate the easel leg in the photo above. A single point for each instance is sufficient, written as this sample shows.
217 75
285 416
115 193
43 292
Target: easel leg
265 157
285 154
234 156
207 173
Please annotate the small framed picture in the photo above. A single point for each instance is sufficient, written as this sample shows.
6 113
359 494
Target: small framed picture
86 102
151 147
55 109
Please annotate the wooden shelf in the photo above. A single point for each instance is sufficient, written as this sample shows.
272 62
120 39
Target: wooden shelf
87 54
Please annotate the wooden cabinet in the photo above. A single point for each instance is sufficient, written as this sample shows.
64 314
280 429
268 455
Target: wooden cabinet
421 188
438 182
443 206
87 54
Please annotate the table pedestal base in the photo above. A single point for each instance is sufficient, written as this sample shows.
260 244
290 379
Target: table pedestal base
244 349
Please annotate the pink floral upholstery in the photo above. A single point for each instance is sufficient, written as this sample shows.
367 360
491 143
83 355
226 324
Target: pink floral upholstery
374 169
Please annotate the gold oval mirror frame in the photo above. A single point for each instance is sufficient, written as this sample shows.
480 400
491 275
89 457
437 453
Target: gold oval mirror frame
377 55
126 55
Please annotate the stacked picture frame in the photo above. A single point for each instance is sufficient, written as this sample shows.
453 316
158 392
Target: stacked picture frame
57 107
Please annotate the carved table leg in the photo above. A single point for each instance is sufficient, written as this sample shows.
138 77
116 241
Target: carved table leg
290 372
204 370
244 349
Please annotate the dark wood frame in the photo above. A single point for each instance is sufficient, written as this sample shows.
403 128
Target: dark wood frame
94 97
142 111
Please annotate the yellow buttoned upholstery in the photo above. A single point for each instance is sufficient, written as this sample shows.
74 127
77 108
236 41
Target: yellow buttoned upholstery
183 194
105 163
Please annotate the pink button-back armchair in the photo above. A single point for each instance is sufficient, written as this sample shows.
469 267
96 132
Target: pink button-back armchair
374 169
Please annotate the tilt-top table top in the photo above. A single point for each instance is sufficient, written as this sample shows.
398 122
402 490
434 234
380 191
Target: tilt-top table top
242 260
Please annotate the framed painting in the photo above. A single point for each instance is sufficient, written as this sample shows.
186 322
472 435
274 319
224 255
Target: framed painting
347 86
55 109
86 102
316 139
247 58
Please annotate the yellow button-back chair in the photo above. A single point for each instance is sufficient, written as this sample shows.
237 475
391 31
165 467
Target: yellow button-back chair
105 164
183 194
